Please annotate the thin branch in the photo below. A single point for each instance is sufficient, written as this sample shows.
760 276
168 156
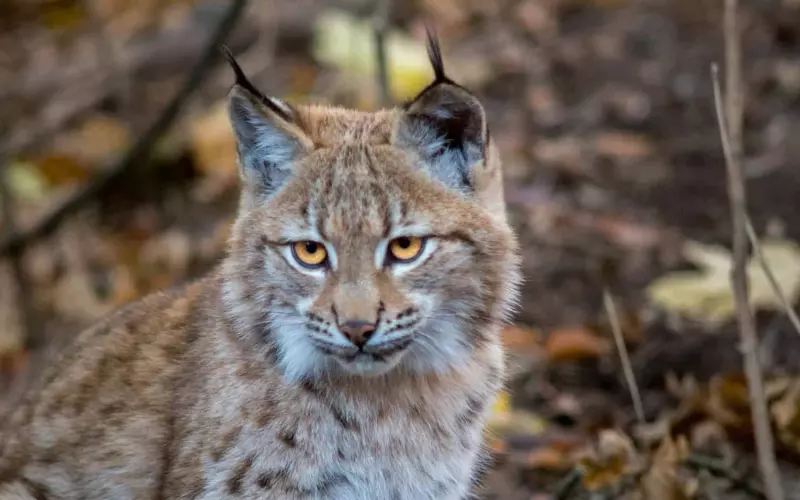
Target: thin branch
627 369
380 26
734 98
731 137
140 151
776 286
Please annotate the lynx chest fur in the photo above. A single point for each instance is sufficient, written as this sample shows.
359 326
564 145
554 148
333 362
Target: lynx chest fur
383 439
347 347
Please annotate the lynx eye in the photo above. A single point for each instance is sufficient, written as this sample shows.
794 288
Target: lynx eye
406 248
309 254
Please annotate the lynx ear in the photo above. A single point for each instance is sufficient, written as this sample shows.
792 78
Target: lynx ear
446 126
268 140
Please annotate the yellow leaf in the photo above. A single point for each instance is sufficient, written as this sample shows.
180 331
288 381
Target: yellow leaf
502 404
503 420
517 422
606 463
706 295
348 44
25 181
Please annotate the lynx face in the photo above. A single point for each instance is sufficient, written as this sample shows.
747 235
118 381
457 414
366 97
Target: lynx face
368 242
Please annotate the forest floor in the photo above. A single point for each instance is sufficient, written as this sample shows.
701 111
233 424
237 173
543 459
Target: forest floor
604 114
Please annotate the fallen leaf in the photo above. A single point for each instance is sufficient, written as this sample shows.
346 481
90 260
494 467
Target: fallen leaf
710 438
549 458
706 295
786 414
574 344
608 460
59 169
661 480
25 181
515 422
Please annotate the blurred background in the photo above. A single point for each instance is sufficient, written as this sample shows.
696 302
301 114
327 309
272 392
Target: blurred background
119 178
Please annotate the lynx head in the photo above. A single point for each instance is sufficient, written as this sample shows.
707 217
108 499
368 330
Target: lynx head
368 243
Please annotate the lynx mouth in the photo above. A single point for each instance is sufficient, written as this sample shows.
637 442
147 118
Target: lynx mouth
365 363
367 359
361 355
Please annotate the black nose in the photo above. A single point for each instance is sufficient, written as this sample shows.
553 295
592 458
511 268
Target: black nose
357 332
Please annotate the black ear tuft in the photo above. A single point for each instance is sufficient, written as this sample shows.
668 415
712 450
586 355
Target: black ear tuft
445 125
435 55
242 81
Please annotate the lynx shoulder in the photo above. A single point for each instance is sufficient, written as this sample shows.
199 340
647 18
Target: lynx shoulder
347 347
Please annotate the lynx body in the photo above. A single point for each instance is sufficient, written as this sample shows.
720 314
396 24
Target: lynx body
347 347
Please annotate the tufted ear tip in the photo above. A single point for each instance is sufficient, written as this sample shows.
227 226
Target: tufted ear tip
268 139
445 124
243 82
435 55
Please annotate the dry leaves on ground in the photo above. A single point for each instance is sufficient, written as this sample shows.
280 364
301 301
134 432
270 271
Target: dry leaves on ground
574 344
705 295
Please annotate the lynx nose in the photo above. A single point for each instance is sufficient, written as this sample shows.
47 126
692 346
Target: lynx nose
357 332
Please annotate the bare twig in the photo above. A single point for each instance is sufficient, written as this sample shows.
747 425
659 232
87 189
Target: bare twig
776 287
734 97
731 136
380 25
140 151
627 369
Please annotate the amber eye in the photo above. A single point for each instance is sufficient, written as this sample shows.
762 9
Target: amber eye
310 254
406 248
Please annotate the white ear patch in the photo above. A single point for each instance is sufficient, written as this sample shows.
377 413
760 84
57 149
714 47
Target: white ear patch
282 105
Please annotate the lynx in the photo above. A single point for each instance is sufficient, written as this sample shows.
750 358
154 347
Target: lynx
347 347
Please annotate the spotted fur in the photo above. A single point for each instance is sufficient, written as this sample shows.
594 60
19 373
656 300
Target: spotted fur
242 385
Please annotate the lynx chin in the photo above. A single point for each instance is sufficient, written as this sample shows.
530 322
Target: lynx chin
346 348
